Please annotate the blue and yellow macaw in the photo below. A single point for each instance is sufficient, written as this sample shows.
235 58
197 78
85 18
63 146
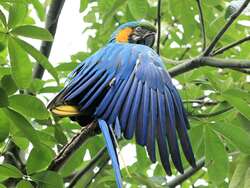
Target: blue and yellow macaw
125 88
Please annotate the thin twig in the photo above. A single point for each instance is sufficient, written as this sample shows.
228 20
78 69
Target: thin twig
190 171
184 53
201 102
187 173
210 48
99 155
105 162
159 26
222 50
211 114
245 71
165 39
203 31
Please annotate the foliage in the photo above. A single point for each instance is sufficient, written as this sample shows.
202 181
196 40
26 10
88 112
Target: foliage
217 100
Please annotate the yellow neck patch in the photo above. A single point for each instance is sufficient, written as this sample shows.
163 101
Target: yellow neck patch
123 35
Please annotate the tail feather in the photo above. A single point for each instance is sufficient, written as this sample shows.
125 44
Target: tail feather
112 153
65 110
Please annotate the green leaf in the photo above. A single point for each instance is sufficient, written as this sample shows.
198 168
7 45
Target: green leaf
238 136
59 135
21 142
238 103
239 93
23 125
29 105
239 173
41 59
24 184
17 14
34 162
50 89
74 162
83 5
4 126
9 171
9 84
3 98
4 71
48 179
33 32
3 44
143 163
116 5
2 18
145 180
20 64
66 66
2 186
247 178
138 9
40 10
216 157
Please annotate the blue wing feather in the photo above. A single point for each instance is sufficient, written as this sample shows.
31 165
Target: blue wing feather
85 85
171 133
152 126
117 108
129 131
93 89
182 130
140 132
98 92
141 100
107 99
127 105
118 131
112 153
107 113
161 132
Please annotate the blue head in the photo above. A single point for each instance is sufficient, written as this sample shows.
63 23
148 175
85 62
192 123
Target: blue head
137 32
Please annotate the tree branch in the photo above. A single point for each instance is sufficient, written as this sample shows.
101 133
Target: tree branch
210 48
86 132
201 102
203 31
222 50
211 114
245 71
51 24
159 26
208 61
185 67
225 63
102 165
101 154
187 173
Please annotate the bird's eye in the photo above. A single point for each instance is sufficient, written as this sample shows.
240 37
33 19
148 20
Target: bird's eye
138 29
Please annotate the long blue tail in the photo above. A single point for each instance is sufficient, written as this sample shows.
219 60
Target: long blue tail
112 153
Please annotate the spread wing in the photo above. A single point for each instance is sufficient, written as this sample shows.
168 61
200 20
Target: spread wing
127 86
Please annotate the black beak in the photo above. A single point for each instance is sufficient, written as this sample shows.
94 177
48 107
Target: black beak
149 38
146 38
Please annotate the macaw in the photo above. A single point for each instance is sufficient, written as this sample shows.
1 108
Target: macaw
125 88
